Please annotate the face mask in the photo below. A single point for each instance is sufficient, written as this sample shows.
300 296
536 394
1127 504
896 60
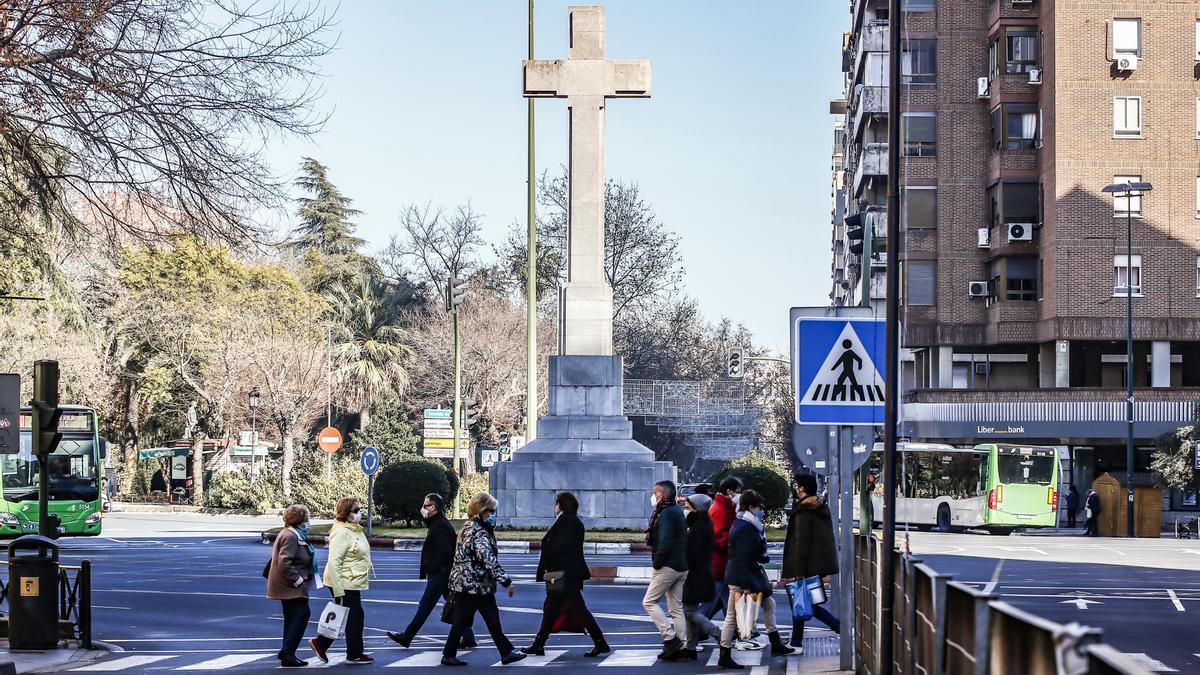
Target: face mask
307 524
737 498
355 517
491 519
424 512
653 501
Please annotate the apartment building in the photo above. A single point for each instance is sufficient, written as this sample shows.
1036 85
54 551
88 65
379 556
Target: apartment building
1015 115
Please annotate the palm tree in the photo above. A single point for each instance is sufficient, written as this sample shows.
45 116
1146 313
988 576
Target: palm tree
368 343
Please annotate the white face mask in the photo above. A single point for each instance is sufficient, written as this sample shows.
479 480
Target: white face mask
424 512
737 498
307 524
355 517
653 500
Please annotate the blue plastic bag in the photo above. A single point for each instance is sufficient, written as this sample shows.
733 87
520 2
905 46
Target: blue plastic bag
801 600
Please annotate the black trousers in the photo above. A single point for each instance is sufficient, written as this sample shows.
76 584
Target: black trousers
468 605
436 586
1071 517
571 599
354 625
295 619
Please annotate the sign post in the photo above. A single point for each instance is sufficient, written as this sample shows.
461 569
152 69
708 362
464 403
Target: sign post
369 461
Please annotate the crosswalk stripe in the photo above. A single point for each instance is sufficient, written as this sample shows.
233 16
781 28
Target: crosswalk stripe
125 662
627 658
223 662
334 660
422 660
746 658
535 661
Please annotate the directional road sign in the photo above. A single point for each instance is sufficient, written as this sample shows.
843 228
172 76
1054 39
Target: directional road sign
369 460
837 367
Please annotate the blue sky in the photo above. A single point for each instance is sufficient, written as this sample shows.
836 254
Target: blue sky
732 150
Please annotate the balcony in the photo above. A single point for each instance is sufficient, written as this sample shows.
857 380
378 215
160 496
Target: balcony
869 101
872 163
873 38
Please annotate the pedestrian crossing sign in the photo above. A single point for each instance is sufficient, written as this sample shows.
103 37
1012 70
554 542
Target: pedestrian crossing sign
837 368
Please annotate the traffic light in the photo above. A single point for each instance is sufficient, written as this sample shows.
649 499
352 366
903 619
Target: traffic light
456 292
471 410
855 229
503 439
45 407
736 367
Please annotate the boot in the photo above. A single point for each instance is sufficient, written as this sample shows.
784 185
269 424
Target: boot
777 646
671 649
726 660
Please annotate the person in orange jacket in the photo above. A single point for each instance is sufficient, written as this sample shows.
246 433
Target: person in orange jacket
722 512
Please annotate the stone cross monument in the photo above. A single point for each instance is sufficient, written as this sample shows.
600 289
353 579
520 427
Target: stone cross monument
585 445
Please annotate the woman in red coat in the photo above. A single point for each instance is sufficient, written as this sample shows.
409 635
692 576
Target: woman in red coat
723 512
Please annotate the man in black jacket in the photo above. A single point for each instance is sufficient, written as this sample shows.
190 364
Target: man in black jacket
810 549
562 551
436 555
667 537
699 587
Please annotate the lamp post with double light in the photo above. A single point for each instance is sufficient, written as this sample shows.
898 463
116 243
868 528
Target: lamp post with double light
254 401
1129 190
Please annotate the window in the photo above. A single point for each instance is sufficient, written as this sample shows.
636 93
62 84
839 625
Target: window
1198 196
1127 205
1198 39
1127 38
918 5
1127 116
1121 272
1198 276
919 65
919 208
1015 126
1022 278
921 288
1041 280
1020 49
1198 118
920 134
875 70
1013 203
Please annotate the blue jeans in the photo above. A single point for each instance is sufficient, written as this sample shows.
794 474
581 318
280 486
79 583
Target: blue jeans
820 614
709 609
436 586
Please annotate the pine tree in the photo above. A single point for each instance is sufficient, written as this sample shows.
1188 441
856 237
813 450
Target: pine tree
325 216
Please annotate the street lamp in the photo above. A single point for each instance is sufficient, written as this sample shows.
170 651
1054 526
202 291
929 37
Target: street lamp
1129 190
254 400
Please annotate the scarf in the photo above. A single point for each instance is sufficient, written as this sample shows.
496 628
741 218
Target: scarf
662 504
312 552
749 517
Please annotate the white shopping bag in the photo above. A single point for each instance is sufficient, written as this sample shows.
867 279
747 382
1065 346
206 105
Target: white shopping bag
333 621
746 613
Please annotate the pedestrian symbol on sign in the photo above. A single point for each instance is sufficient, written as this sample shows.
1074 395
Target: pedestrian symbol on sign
839 381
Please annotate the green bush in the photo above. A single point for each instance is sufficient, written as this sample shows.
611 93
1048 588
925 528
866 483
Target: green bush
228 490
266 491
472 484
312 487
389 431
763 475
401 486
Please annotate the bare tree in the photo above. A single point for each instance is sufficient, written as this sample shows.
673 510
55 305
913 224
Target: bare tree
139 115
433 244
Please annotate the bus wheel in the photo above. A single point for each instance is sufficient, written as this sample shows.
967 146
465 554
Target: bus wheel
943 518
1000 531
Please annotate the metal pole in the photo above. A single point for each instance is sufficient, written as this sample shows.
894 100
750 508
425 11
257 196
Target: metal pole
457 421
328 396
253 442
1129 360
84 606
45 402
531 389
891 397
845 577
370 500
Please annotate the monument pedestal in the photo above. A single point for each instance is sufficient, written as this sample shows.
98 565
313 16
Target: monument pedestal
584 446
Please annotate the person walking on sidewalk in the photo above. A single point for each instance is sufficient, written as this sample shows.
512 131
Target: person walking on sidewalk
437 553
722 513
290 573
810 549
1091 511
745 575
473 577
562 565
347 574
1072 506
699 586
667 537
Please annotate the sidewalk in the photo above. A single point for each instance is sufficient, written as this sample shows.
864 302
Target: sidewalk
50 660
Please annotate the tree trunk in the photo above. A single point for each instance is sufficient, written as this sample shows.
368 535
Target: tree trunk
364 416
198 467
289 458
129 441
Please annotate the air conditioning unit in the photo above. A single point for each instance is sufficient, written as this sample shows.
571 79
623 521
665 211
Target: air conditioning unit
1127 63
983 368
977 289
985 237
1035 76
1022 3
1020 231
983 88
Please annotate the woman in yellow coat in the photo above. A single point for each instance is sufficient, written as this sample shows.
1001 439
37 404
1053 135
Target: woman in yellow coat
347 574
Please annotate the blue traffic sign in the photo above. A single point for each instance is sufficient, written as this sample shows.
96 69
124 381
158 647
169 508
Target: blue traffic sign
838 363
370 460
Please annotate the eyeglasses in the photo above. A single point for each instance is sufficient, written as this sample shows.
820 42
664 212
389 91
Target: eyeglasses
355 510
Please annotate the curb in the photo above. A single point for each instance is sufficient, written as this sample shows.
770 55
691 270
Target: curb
589 548
140 507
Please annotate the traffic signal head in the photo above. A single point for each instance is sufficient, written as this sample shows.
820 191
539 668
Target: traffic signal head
735 366
456 292
471 410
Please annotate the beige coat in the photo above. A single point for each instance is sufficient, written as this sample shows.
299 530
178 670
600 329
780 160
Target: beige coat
290 561
349 565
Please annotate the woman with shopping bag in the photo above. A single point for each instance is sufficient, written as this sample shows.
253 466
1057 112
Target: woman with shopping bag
290 573
809 555
749 588
563 568
347 574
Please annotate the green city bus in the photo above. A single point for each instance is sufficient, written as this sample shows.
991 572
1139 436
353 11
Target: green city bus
75 486
994 486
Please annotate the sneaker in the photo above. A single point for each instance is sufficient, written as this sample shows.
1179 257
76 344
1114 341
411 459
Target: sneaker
363 660
318 650
400 639
747 646
511 657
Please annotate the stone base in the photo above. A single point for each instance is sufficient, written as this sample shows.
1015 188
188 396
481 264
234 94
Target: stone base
584 446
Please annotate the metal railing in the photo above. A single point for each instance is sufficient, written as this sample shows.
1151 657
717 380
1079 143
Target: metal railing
74 602
943 627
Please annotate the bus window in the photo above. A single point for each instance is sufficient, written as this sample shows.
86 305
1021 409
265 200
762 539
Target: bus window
1028 469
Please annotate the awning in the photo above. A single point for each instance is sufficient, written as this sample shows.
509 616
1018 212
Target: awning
162 453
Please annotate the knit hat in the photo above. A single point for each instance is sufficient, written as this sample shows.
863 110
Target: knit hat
700 502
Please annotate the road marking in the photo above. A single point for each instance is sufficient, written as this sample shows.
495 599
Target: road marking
223 662
1190 550
746 658
1175 599
627 658
1081 603
126 662
422 660
536 661
1016 549
1149 662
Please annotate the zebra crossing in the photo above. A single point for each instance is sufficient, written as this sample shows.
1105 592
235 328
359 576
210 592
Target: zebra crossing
758 662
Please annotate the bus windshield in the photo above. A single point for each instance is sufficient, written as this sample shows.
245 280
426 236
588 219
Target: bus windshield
72 473
1016 467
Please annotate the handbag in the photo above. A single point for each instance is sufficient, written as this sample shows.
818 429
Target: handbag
333 620
816 590
555 581
746 613
450 607
800 599
267 569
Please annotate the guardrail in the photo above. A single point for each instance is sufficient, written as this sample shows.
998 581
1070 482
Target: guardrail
74 602
943 627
